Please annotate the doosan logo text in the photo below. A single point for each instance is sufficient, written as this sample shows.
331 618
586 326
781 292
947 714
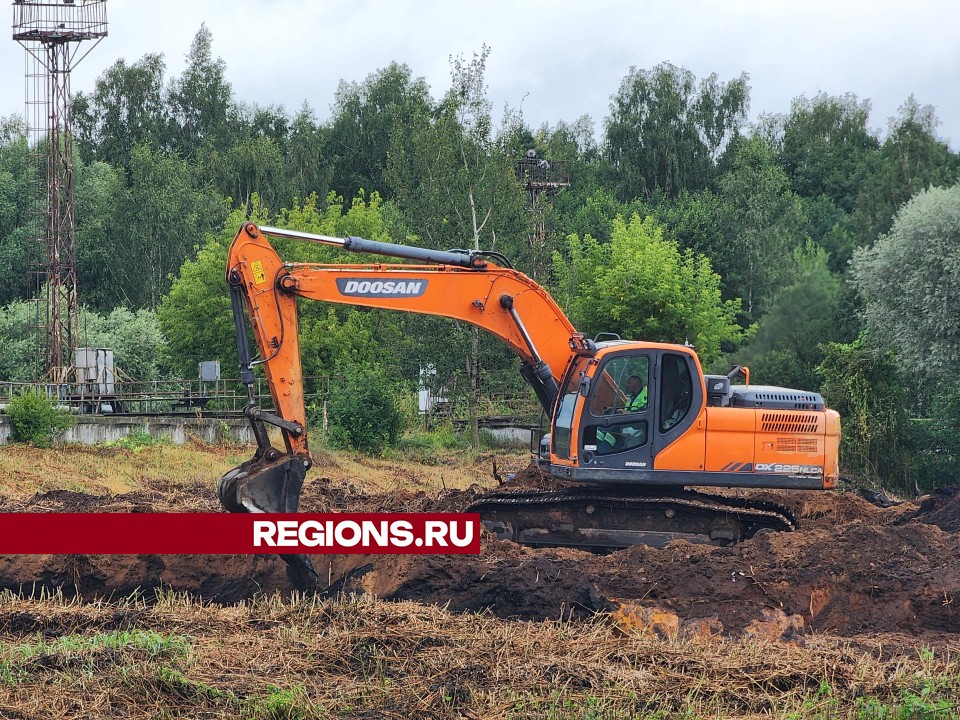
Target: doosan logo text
381 288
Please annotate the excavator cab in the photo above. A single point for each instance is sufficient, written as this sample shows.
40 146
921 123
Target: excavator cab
684 434
619 408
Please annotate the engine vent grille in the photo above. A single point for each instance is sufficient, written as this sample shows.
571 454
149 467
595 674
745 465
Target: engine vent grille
795 445
774 398
789 423
786 397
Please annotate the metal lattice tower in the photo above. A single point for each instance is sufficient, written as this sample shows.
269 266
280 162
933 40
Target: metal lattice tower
543 180
52 34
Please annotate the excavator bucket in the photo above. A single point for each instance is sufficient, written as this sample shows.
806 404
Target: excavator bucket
261 485
271 486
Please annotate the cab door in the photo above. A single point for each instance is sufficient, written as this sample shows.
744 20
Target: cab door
617 420
679 438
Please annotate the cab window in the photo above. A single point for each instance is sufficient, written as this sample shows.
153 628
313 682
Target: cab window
563 423
621 386
619 389
615 438
675 391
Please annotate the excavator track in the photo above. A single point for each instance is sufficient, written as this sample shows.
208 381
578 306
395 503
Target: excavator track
606 519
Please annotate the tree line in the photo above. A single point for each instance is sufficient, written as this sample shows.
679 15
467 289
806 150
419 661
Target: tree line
807 245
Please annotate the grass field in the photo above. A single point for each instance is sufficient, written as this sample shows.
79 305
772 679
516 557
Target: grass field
139 463
363 658
172 656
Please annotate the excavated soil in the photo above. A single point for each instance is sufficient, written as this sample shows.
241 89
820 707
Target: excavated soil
852 569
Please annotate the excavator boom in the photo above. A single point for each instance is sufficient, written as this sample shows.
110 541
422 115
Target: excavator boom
463 286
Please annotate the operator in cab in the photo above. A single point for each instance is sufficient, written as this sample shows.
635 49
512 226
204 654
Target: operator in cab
636 395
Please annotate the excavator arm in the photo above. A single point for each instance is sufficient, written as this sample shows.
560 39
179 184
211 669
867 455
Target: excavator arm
460 285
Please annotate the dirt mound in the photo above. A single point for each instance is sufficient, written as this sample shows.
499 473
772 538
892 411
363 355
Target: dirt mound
851 569
858 579
940 508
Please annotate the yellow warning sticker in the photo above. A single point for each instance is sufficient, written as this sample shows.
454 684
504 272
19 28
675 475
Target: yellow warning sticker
259 277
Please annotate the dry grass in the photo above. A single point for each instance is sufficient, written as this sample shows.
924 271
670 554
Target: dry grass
438 470
107 470
362 658
111 470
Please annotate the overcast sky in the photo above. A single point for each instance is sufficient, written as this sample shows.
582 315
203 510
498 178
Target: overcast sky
555 60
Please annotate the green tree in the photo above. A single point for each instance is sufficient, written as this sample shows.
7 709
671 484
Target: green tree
912 158
163 215
934 440
18 255
831 228
595 214
569 142
18 251
666 130
306 168
102 233
456 185
134 337
251 165
18 351
363 410
827 149
367 118
790 338
127 108
36 420
861 382
705 222
766 222
271 122
201 102
910 285
642 286
587 206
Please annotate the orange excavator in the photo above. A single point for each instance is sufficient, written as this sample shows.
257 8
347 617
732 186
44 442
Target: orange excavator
633 425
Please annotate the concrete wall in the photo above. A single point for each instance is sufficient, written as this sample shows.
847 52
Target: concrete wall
511 436
92 429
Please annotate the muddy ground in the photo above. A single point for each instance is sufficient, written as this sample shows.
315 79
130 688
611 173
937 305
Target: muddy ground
852 569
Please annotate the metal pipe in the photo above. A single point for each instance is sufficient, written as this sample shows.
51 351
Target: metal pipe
375 247
522 330
538 374
297 235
